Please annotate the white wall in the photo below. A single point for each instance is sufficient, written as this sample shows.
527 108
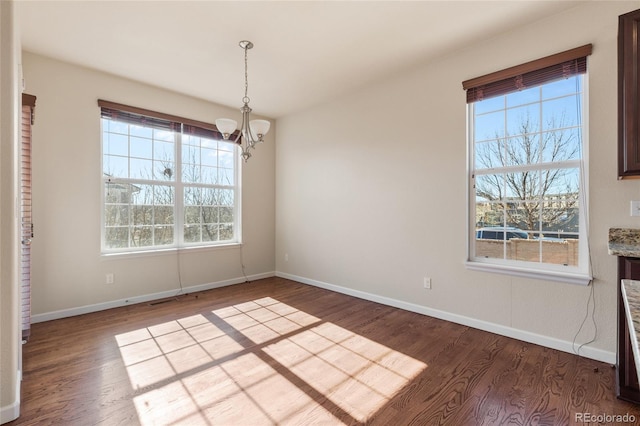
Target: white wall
9 138
369 209
68 272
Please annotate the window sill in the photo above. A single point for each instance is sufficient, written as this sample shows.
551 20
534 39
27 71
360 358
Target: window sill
167 251
558 276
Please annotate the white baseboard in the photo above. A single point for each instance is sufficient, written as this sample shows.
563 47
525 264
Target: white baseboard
549 342
538 339
64 313
11 412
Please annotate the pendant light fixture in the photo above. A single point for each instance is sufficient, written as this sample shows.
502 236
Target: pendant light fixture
252 132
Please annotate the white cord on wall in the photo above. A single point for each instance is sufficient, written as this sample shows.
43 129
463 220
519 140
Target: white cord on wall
244 274
179 273
585 212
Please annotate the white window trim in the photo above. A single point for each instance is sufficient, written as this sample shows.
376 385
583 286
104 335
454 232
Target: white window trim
581 274
524 272
168 251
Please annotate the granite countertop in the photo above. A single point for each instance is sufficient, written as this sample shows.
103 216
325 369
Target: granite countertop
624 242
631 298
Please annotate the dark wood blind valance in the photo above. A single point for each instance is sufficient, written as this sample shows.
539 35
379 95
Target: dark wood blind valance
531 74
28 100
204 132
143 120
158 120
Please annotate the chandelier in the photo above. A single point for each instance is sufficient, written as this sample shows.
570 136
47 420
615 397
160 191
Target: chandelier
252 132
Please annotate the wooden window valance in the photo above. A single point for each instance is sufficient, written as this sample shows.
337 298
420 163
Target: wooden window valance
535 73
158 120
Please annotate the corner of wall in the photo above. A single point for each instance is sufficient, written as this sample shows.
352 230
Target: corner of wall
10 348
12 411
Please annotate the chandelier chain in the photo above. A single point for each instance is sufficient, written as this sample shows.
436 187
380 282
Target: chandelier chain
246 78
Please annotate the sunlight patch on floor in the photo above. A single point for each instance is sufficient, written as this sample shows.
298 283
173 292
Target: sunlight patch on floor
259 362
355 373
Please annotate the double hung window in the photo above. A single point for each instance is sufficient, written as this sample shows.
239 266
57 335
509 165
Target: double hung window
168 182
527 169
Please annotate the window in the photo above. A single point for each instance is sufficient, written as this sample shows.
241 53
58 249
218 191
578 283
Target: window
527 174
167 182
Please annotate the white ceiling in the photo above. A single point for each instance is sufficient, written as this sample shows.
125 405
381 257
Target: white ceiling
305 51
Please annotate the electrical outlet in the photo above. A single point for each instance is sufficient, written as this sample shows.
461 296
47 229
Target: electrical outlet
286 257
427 283
109 278
635 208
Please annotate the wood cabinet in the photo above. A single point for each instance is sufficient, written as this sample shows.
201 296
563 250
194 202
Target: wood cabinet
627 386
629 94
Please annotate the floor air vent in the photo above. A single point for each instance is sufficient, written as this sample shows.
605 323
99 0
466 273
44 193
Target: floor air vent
160 302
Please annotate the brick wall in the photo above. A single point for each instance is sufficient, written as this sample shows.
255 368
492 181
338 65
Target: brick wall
557 252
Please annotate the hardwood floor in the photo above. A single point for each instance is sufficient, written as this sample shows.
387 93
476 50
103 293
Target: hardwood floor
278 352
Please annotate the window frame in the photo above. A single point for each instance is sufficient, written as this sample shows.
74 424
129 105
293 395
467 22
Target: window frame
579 274
196 129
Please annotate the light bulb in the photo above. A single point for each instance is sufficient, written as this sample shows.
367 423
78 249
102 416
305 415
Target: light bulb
226 126
259 128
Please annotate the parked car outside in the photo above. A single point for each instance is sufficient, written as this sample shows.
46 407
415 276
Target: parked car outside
498 233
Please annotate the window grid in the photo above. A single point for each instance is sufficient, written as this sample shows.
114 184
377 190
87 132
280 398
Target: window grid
144 204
